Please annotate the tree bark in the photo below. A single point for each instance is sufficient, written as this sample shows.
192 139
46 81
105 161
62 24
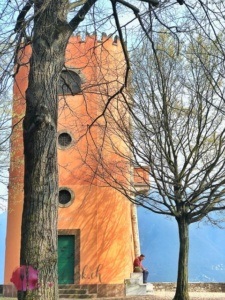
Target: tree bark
39 220
182 277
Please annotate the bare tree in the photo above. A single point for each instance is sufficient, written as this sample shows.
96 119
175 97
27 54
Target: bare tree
178 136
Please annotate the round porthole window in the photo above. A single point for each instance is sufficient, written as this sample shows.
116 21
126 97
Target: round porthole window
65 197
64 139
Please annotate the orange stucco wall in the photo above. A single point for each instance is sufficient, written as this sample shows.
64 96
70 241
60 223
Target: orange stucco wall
102 214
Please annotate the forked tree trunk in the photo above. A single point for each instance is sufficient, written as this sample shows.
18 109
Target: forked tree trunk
39 220
182 277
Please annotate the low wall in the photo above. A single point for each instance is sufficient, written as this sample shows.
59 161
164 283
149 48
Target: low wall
193 286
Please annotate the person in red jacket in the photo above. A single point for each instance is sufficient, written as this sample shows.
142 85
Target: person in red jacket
138 267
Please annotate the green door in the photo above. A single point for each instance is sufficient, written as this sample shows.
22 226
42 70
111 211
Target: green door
66 246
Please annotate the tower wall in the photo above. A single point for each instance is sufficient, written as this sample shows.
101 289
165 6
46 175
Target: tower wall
99 217
16 171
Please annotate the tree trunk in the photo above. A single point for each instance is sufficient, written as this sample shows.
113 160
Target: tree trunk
39 220
182 278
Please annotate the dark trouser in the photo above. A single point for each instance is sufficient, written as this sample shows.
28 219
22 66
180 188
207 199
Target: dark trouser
145 276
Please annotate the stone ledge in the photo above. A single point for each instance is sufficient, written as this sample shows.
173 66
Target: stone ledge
193 286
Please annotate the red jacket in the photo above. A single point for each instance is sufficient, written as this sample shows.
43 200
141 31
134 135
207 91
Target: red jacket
138 263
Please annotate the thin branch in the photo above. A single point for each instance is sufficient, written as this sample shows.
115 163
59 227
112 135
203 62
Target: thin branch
81 14
22 14
76 4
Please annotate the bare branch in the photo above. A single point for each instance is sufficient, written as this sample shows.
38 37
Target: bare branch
76 4
22 14
81 14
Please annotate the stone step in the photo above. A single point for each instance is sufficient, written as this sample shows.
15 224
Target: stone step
132 281
76 295
135 286
69 286
137 276
71 291
73 296
149 288
135 289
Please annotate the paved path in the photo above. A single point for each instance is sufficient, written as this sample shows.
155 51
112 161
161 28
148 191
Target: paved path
168 296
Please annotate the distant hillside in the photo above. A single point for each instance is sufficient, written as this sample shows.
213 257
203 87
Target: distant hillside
3 217
159 242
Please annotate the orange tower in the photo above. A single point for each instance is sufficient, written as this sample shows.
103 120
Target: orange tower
96 238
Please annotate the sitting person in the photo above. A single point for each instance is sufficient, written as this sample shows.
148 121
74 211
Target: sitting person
138 267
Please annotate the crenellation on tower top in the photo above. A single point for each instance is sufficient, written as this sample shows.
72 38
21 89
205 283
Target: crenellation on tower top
115 40
83 37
